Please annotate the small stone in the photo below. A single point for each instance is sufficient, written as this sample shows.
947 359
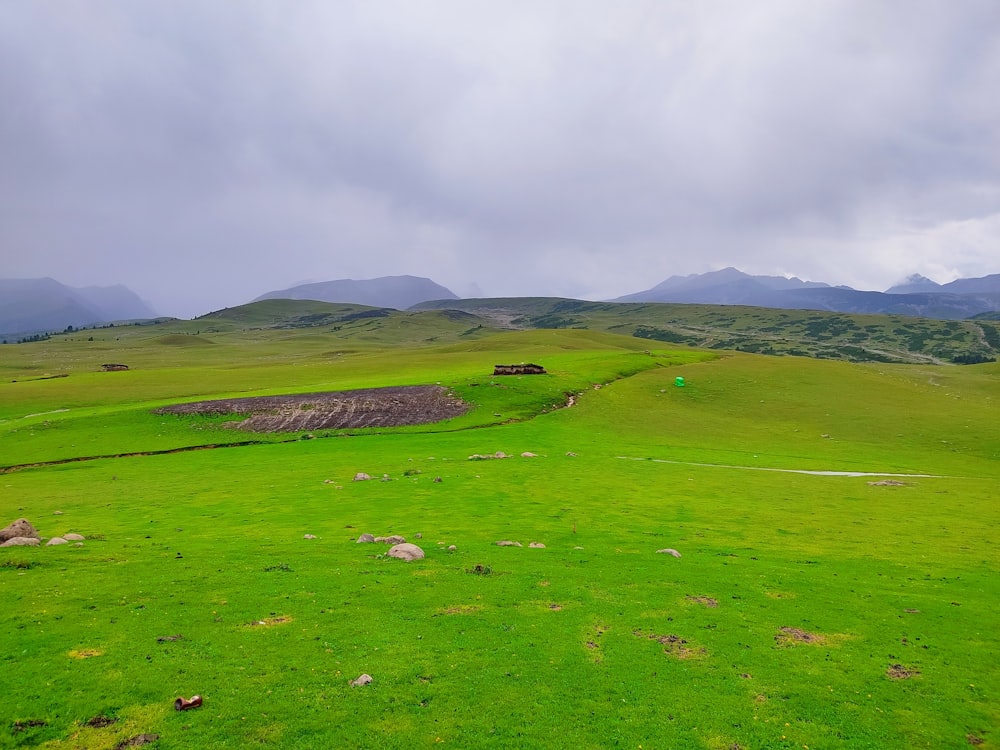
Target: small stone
308 536
55 541
500 454
57 513
361 477
571 454
437 480
536 545
73 537
21 541
394 539
508 543
365 679
668 551
366 539
406 552
452 548
418 535
529 454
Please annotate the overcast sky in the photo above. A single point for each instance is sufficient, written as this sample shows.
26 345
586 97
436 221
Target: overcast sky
204 152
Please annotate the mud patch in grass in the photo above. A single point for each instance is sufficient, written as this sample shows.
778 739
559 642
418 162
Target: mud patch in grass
899 672
269 622
788 636
674 645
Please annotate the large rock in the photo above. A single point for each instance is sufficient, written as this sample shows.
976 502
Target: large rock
366 539
21 541
406 552
20 528
55 541
73 537
394 539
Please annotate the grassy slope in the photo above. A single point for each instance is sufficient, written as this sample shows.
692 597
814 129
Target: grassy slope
890 338
553 649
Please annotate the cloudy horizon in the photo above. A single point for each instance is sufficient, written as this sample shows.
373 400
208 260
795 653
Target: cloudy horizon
203 153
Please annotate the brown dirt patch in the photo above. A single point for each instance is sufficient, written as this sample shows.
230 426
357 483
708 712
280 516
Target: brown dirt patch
332 410
459 609
26 724
705 601
138 741
99 722
674 645
268 622
899 672
791 636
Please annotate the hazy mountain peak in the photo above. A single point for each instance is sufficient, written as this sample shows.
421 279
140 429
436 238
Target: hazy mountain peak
913 284
398 292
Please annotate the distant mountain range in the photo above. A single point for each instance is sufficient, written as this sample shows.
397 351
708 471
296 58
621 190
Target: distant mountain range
397 292
916 296
29 306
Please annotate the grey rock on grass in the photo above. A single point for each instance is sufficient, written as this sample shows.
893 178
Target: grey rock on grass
366 539
668 551
406 552
21 541
508 543
55 541
73 537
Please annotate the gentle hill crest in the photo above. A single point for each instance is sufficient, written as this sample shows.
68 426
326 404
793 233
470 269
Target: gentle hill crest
398 292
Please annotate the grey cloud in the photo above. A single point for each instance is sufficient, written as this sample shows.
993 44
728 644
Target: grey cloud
203 153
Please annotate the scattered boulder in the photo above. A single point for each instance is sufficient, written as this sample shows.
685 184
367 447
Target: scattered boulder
452 548
668 551
406 552
529 454
418 535
21 541
508 543
308 536
362 477
394 539
888 483
437 480
365 679
571 454
536 545
366 539
73 537
20 528
55 541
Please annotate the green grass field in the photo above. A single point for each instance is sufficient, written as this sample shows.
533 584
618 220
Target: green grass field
807 610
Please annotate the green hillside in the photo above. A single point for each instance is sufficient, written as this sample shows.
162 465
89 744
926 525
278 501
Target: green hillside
836 526
855 338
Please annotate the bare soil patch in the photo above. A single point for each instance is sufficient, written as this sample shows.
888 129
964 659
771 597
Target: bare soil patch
269 622
899 672
332 410
674 645
705 601
790 636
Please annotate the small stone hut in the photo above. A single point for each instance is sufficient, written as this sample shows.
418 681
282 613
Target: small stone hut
522 369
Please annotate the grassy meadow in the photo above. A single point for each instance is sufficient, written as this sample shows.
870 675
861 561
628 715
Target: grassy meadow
807 609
